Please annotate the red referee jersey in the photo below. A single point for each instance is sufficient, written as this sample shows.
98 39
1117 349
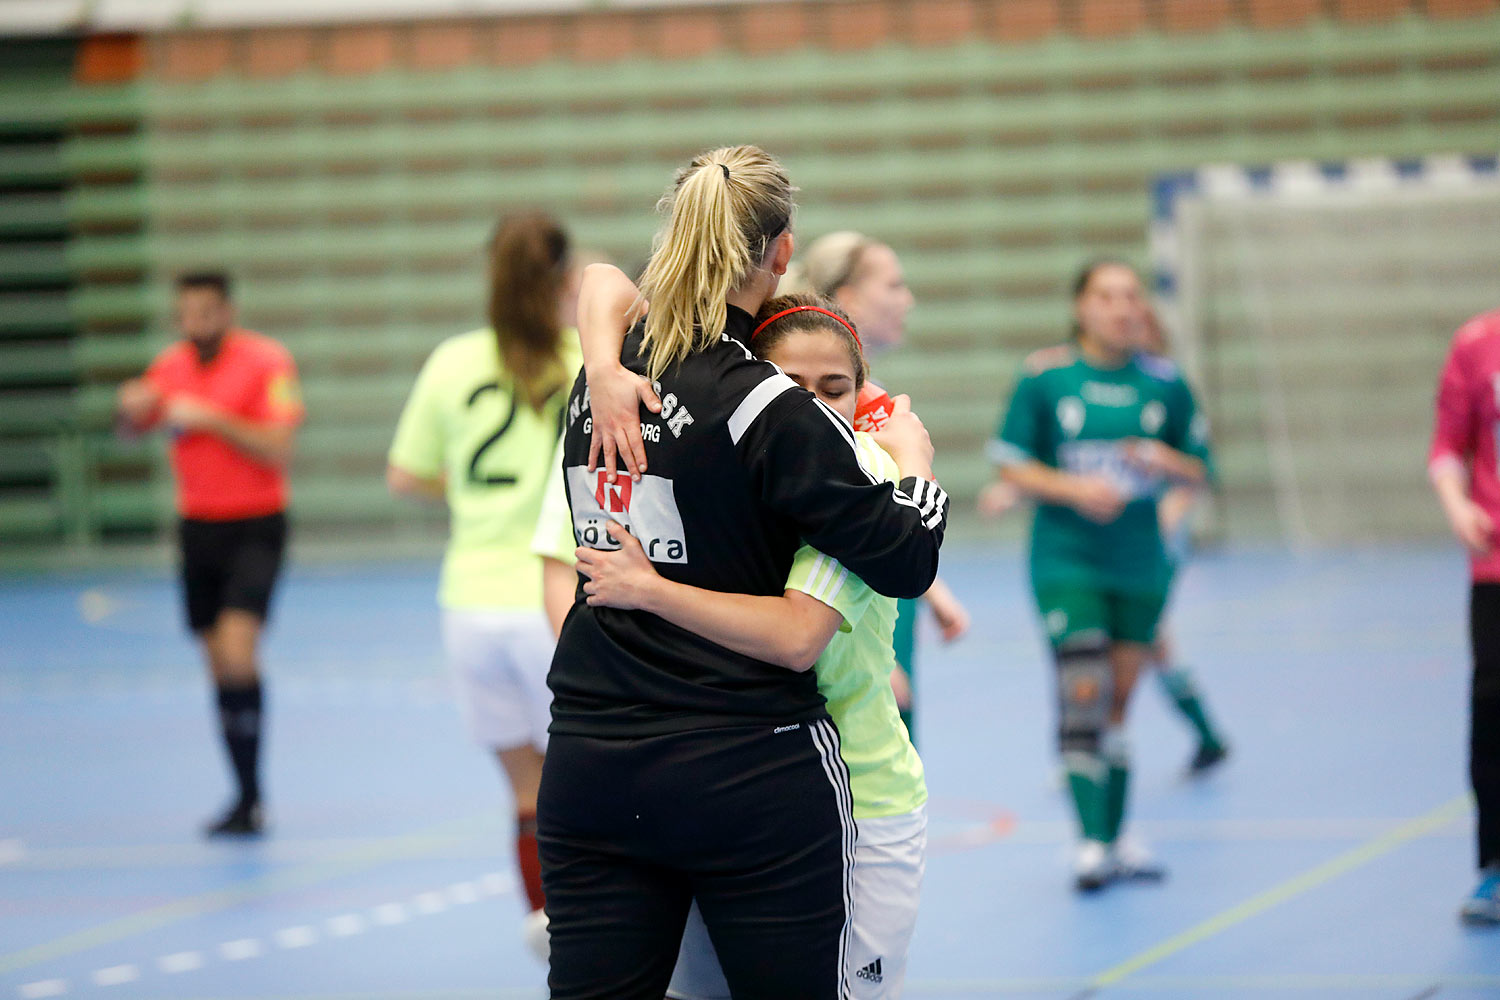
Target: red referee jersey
252 378
1468 408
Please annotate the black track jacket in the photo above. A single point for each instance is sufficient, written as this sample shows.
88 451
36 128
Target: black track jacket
744 466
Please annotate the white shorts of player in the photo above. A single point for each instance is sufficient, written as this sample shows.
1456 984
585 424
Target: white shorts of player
890 856
500 661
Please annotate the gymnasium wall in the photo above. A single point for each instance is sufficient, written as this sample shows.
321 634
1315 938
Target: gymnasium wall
347 175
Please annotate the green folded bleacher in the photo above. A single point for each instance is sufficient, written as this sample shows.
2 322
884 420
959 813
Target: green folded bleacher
352 212
355 209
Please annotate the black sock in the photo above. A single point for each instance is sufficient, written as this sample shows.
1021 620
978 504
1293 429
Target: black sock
239 718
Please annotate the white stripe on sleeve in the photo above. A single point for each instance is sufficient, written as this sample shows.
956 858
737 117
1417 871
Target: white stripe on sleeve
755 403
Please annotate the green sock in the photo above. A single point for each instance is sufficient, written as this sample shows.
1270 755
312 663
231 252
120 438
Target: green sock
1086 780
1116 760
1183 690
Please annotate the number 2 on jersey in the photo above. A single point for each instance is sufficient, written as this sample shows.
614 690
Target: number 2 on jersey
475 476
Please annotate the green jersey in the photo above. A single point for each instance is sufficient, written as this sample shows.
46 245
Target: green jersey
1070 415
464 423
854 675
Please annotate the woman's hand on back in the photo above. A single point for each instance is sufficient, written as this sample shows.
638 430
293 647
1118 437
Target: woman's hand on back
615 398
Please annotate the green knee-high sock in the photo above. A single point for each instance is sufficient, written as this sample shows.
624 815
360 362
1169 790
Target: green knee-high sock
1087 780
1115 752
1180 686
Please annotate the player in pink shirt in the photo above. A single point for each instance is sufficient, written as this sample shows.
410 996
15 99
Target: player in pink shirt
1462 465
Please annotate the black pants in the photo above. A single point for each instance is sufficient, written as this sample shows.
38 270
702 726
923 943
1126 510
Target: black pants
753 822
1484 716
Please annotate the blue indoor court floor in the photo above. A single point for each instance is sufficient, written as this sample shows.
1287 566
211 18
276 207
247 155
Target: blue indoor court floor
1326 859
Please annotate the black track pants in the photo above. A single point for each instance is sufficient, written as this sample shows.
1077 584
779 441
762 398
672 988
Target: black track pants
754 822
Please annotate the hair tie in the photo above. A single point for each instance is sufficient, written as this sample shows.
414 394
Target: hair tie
726 171
817 309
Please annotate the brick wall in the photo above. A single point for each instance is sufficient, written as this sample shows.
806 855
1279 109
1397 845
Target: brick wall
756 28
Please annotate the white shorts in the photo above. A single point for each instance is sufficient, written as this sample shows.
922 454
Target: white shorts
890 856
500 661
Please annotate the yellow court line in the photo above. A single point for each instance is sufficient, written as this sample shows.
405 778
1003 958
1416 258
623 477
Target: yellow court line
1290 889
311 873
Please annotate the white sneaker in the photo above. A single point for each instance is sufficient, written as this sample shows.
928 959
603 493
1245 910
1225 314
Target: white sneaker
1092 866
534 934
1134 862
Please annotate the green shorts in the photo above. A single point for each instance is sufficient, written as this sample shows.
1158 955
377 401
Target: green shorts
1069 609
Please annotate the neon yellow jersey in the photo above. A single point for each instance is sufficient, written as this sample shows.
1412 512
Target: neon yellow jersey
463 423
554 524
854 675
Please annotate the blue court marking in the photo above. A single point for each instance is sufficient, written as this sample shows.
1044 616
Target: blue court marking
1326 859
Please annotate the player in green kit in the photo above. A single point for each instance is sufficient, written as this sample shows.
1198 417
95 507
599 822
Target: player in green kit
478 432
1095 432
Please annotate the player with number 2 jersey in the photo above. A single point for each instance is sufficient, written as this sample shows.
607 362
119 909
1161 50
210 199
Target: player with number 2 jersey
478 432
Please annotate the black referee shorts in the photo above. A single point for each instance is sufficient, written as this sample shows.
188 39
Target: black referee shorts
230 564
753 822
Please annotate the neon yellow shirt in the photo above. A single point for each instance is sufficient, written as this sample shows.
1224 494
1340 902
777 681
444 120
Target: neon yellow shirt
554 524
463 422
854 675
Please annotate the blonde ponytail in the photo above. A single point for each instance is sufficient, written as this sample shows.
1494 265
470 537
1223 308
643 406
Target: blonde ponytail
723 211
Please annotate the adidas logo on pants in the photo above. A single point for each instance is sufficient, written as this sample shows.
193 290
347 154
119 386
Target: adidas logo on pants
871 972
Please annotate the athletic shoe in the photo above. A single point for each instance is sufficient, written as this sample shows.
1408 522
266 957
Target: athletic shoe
534 934
1482 909
1092 869
1209 756
1133 862
243 820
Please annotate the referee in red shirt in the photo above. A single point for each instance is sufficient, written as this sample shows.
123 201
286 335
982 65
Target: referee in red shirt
229 399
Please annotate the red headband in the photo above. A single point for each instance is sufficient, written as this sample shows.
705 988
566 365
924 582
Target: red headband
817 309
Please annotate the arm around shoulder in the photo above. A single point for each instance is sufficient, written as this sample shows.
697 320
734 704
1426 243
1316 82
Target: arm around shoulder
805 458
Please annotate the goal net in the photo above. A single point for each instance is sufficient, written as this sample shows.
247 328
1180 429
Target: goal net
1313 305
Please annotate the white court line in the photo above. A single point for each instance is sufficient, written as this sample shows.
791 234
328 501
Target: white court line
496 883
428 903
389 914
461 893
182 961
117 974
346 925
11 850
241 949
296 937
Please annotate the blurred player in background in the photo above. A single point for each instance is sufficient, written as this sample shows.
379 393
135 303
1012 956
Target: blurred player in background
864 277
1175 509
477 433
229 399
1094 433
1462 465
